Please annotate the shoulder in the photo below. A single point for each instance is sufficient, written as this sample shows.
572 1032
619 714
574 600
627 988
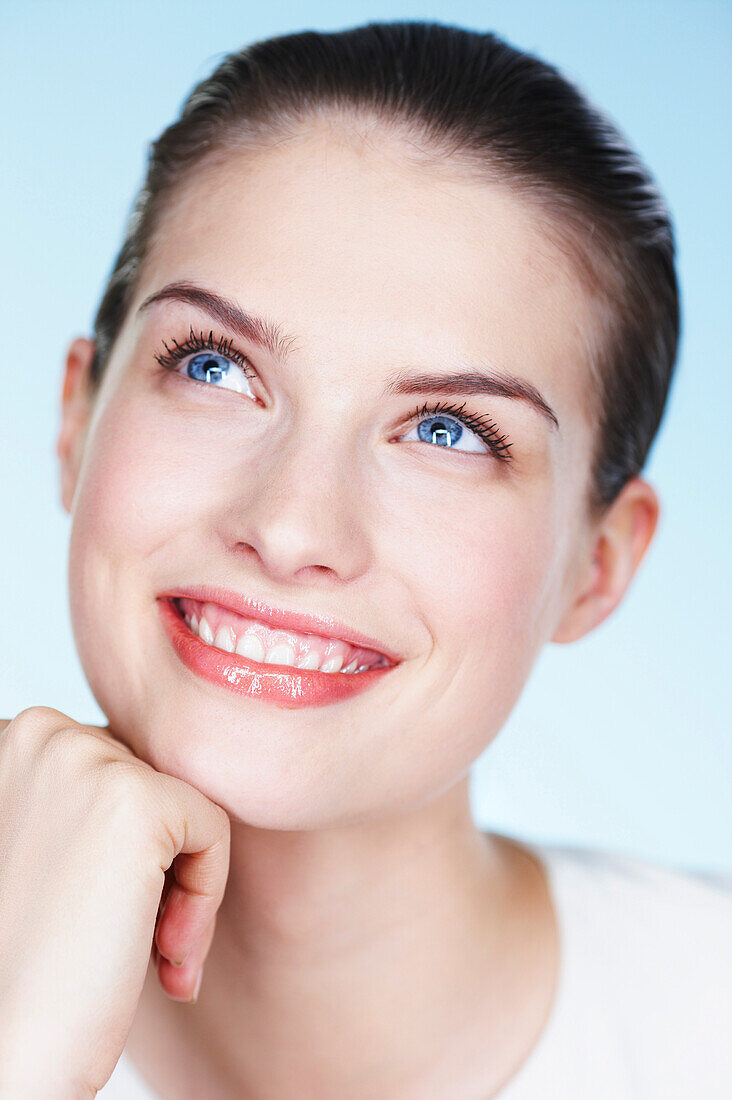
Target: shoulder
648 953
623 871
672 901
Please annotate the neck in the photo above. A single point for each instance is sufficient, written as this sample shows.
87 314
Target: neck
371 957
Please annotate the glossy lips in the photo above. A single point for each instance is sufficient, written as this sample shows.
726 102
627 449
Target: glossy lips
265 644
281 685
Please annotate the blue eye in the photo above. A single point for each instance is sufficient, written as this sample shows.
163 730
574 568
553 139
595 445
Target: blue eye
209 366
202 359
221 365
447 431
443 431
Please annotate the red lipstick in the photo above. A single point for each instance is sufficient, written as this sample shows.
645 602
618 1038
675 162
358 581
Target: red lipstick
305 621
279 685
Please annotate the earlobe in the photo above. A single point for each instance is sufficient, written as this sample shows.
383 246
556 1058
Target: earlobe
617 548
76 404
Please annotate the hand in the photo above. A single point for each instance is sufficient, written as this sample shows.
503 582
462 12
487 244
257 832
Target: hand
87 833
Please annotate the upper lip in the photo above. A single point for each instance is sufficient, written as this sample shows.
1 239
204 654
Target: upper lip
295 620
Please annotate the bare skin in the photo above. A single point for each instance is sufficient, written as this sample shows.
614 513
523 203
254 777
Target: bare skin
371 941
432 993
88 834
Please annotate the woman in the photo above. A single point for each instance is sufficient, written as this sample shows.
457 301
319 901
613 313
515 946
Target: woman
359 431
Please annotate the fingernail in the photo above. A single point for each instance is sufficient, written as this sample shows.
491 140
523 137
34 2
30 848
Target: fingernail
174 962
197 987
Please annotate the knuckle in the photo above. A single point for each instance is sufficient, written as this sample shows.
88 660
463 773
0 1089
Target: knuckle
44 718
30 727
125 786
67 746
32 720
132 800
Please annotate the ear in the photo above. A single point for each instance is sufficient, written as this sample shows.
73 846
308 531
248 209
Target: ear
76 406
615 552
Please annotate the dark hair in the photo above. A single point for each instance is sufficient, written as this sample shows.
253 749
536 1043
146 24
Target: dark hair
472 102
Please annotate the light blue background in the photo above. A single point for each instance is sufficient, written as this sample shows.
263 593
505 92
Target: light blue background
620 740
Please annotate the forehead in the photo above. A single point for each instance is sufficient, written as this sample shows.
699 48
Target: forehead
363 252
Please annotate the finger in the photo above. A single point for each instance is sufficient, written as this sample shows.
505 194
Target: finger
169 880
179 982
183 916
200 870
169 876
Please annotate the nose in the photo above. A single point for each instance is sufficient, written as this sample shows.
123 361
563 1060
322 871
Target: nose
300 510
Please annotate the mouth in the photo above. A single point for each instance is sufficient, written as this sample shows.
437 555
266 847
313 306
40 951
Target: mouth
263 644
275 663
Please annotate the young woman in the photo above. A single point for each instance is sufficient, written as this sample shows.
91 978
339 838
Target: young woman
360 430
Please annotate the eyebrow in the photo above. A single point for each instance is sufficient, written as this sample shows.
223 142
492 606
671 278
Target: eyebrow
258 330
266 334
474 382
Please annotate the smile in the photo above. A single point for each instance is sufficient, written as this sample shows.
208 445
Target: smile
224 629
276 664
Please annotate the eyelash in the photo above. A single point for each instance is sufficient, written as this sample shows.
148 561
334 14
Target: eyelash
483 427
199 342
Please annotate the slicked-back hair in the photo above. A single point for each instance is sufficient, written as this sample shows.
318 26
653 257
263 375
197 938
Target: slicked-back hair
469 102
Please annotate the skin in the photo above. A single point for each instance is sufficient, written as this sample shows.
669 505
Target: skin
371 941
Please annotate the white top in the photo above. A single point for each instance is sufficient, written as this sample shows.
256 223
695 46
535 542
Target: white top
644 1005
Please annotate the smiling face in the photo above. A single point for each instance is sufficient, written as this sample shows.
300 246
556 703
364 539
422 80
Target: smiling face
300 479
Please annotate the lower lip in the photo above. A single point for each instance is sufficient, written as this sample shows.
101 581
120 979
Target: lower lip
279 685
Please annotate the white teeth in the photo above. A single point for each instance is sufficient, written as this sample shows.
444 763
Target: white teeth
281 654
225 639
310 660
333 664
249 645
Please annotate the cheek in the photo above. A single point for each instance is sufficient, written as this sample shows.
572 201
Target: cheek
482 570
484 576
506 587
133 492
132 500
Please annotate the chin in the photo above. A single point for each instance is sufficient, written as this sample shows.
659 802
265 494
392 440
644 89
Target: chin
269 769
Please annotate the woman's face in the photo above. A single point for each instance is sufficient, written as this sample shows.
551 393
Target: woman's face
301 481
